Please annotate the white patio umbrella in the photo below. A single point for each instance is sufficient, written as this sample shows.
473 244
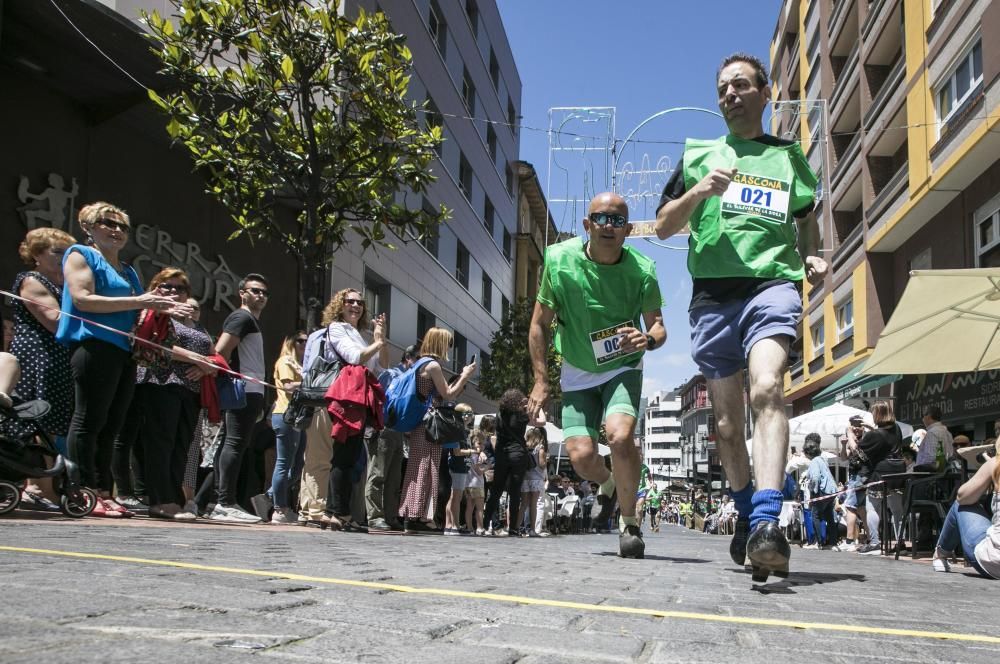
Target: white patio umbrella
946 321
830 423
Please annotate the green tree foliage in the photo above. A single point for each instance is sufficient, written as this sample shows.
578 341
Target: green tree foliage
510 361
298 118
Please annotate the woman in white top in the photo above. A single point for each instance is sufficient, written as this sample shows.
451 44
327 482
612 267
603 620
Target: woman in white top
346 316
968 524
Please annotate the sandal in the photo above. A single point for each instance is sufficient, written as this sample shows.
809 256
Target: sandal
112 506
100 510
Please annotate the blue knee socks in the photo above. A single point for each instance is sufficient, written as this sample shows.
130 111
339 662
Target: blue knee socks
766 506
741 499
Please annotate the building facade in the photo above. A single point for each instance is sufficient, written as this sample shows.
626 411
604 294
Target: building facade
661 436
911 161
461 278
83 131
535 231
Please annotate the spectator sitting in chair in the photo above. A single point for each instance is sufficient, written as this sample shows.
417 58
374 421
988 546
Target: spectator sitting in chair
936 433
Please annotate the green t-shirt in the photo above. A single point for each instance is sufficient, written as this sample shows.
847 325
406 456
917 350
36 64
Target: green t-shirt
653 498
643 477
592 301
749 231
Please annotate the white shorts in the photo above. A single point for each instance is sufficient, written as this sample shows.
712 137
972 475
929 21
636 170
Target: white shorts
532 486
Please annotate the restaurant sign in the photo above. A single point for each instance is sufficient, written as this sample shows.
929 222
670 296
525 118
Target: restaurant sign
958 395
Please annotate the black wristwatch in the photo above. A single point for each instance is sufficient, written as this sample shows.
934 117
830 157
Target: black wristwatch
650 342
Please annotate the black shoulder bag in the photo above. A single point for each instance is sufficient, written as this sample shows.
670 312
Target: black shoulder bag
316 380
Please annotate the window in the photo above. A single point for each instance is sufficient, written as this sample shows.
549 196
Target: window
433 118
487 293
494 70
962 82
987 220
511 116
509 176
377 293
484 360
462 265
425 321
491 142
489 215
430 237
464 176
438 28
504 307
461 353
845 319
468 92
506 244
472 11
817 338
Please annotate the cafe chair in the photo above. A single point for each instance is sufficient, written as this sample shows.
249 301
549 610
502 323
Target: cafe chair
930 495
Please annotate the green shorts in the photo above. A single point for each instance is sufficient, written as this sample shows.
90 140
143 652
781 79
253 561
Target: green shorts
583 411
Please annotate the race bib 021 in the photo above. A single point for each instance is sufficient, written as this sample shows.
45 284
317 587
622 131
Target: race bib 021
757 196
607 343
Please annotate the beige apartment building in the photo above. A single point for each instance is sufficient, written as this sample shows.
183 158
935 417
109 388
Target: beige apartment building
911 167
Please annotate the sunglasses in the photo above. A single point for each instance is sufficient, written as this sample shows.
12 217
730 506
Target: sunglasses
173 288
351 300
112 224
604 218
257 291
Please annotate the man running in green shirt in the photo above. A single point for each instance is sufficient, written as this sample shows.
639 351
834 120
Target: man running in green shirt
640 494
749 200
597 290
653 497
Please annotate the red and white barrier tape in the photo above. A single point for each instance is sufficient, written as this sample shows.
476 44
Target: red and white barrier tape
134 338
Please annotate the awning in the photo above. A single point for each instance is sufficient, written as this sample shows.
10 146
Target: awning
850 385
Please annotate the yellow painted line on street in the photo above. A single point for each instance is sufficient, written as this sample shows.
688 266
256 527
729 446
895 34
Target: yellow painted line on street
530 601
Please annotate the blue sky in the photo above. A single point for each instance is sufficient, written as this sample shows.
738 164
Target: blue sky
640 57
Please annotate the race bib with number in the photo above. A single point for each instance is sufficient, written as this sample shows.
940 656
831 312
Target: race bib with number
754 195
607 343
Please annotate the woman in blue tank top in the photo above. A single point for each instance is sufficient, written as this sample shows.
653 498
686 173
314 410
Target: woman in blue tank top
103 290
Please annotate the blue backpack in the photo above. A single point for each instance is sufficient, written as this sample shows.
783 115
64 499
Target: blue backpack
404 408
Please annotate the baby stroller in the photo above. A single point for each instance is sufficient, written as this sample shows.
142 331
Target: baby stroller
23 448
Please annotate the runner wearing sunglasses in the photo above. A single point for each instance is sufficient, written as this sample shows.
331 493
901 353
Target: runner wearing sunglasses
597 290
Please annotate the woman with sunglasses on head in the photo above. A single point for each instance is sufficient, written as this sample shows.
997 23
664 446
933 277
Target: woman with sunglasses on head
100 288
167 394
344 316
289 442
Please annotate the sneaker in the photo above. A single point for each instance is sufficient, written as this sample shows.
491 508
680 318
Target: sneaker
940 560
283 516
532 533
378 525
501 533
768 551
232 514
132 503
544 533
849 547
870 550
451 531
189 512
480 532
811 546
630 544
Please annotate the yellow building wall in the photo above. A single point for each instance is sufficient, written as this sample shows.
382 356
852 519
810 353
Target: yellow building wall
860 295
919 100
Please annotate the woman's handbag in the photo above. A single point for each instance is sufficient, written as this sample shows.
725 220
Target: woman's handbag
317 378
443 424
232 391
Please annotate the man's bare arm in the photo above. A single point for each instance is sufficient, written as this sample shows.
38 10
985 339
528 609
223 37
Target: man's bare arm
538 346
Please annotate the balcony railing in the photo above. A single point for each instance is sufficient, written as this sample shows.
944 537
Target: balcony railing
847 161
896 186
851 243
844 81
838 18
887 91
874 9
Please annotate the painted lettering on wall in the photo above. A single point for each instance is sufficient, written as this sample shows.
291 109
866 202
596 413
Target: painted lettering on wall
212 281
